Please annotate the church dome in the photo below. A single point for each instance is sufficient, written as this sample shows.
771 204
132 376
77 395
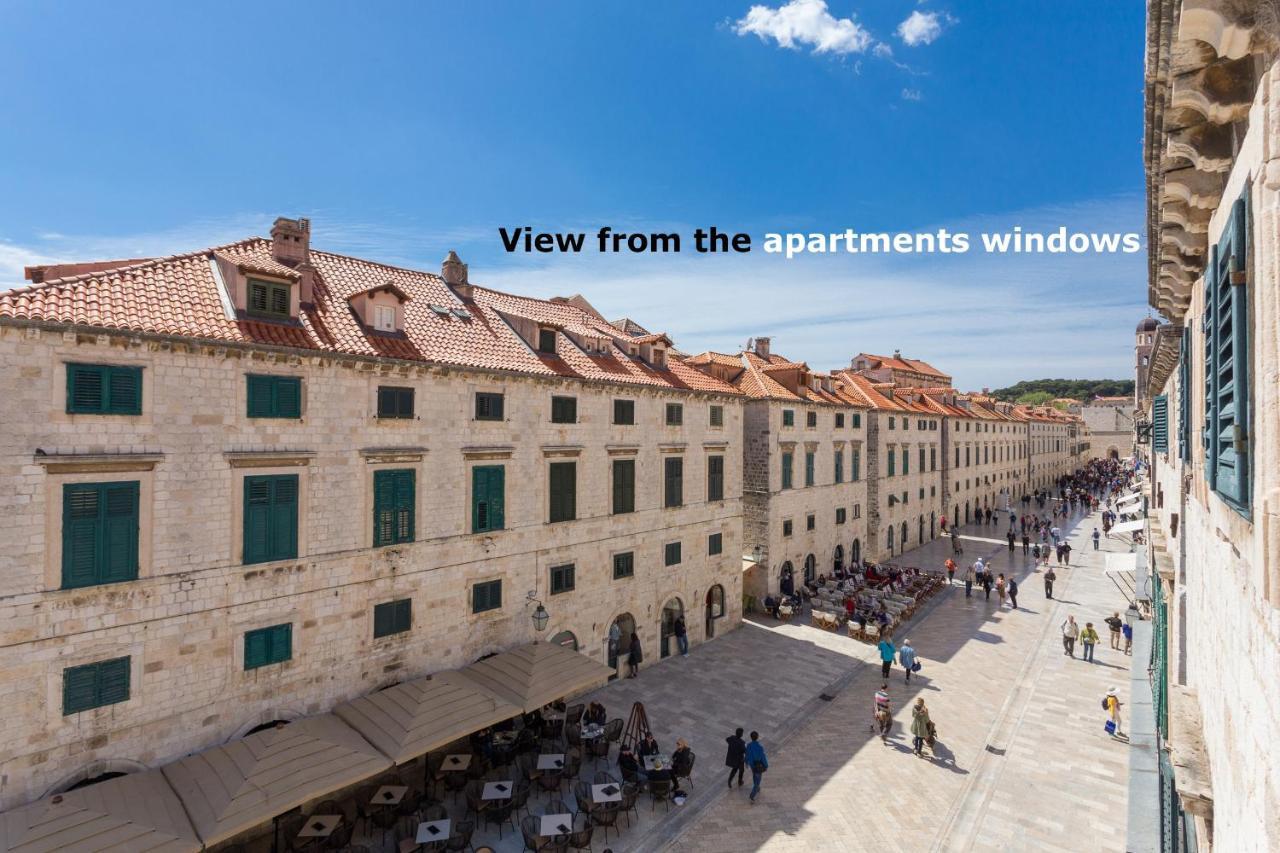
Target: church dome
1148 324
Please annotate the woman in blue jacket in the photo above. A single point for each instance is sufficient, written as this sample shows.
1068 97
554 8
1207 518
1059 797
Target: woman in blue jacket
758 762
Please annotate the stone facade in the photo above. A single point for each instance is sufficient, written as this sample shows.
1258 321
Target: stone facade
1110 423
1213 445
182 622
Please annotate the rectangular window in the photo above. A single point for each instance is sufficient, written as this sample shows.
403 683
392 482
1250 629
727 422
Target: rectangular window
715 544
384 318
624 486
270 518
95 685
99 533
811 419
488 406
562 579
673 480
671 554
1160 424
857 510
392 617
857 420
624 412
393 504
810 522
1227 367
839 466
1184 396
715 478
564 410
675 414
786 470
716 416
269 299
266 646
906 461
933 459
892 457
395 402
274 396
839 420
104 389
624 565
564 491
922 468
891 420
788 418
840 515
547 340
486 596
786 527
857 466
488 498
809 462
906 423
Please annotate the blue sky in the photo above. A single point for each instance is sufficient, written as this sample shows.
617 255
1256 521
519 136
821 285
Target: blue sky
407 129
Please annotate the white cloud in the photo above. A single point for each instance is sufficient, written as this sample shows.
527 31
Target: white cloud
882 50
912 95
805 22
923 27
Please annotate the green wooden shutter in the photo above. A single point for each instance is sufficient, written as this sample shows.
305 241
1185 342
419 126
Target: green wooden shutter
674 481
257 519
80 512
288 392
786 470
1184 396
1160 424
119 532
257 647
79 689
99 533
383 508
1210 327
563 503
906 461
284 517
857 463
404 506
124 391
1232 368
259 396
488 485
624 486
808 468
113 681
86 388
839 466
270 518
715 478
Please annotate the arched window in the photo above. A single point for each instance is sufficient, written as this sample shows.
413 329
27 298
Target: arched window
566 639
855 553
810 569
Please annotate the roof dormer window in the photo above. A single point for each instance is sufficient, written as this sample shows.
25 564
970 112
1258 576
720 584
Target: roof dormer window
547 341
269 299
384 318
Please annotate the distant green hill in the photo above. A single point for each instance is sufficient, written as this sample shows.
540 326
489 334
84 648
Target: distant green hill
1041 391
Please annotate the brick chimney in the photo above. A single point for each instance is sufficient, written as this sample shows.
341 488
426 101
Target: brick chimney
897 354
761 347
291 240
454 273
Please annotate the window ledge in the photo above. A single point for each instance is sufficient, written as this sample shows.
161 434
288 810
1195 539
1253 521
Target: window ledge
561 449
673 447
622 449
715 445
496 451
72 463
268 458
374 455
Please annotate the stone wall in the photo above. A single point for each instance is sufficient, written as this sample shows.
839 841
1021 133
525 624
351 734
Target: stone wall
182 622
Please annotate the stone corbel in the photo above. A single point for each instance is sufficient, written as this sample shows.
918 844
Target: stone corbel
1224 26
96 463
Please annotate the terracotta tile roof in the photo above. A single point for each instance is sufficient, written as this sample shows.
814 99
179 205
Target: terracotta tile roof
179 296
899 363
756 377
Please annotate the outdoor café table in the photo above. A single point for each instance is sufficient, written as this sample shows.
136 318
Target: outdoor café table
610 792
433 831
555 824
454 763
389 795
651 761
497 790
320 826
591 732
551 761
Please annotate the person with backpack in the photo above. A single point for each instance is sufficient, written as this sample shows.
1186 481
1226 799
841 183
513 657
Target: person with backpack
1096 537
735 757
921 727
1127 630
970 575
1089 637
759 763
907 657
635 655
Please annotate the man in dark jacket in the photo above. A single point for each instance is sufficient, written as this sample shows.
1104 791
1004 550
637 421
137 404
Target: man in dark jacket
635 656
736 756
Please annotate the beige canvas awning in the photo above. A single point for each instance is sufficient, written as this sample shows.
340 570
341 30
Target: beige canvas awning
533 675
413 718
235 787
137 812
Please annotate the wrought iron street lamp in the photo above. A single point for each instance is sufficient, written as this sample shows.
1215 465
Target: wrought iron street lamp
540 614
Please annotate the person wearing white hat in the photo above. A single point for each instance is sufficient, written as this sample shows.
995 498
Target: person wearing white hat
1113 707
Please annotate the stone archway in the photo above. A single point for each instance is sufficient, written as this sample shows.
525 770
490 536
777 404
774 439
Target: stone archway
266 720
890 540
855 552
672 610
565 638
617 648
810 569
95 772
902 545
715 609
787 579
933 525
837 559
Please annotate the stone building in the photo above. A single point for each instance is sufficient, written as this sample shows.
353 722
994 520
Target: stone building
1210 405
1111 426
986 457
250 482
804 468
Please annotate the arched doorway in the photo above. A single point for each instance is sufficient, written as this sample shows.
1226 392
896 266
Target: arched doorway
966 513
566 639
787 579
933 525
671 611
855 553
810 569
619 641
837 559
715 608
1114 454
920 530
890 540
902 546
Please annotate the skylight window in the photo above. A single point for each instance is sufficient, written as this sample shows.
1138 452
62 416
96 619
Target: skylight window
440 309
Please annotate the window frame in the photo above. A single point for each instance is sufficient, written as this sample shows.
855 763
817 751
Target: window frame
671 554
672 482
715 544
564 409
107 376
390 402
279 405
270 289
400 487
628 406
566 507
492 599
103 530
392 617
489 406
278 648
562 578
627 558
102 694
675 414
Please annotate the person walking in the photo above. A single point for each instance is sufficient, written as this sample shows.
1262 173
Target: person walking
921 726
1127 630
1013 593
969 577
635 656
1066 553
682 636
950 565
1049 578
1112 703
1026 541
1115 624
907 657
735 757
759 763
1009 537
1089 638
887 652
1096 536
1000 589
1070 632
986 583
